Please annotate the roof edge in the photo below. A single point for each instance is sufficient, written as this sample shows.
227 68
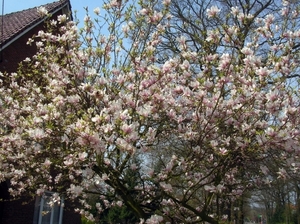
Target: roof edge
66 4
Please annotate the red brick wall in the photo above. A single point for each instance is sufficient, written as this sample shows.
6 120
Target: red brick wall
17 211
22 211
13 54
18 51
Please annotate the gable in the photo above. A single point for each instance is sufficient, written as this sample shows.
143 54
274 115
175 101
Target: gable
17 23
18 27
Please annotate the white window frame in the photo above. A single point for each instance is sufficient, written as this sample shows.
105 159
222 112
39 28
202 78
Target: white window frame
41 204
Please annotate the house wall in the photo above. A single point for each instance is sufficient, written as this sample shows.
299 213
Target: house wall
17 211
21 211
13 54
18 51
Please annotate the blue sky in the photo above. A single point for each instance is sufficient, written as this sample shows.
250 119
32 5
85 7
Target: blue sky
18 5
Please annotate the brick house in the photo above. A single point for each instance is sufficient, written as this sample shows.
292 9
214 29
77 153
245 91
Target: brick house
18 27
15 29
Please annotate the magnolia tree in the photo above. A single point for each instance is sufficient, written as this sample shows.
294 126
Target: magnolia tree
175 139
212 35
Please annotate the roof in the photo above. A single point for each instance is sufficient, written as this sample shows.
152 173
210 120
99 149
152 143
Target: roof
19 22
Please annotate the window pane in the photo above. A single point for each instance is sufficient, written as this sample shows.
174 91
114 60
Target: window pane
44 213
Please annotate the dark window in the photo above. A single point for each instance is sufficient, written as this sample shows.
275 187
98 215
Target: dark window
45 213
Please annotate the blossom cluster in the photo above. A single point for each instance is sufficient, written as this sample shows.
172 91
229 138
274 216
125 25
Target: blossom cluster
86 106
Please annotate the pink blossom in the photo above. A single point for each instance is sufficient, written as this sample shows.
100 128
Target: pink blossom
42 11
263 72
224 62
107 161
181 39
133 166
167 67
40 192
115 3
144 11
167 2
127 129
151 172
97 11
37 133
282 173
235 11
213 11
223 151
154 219
82 156
119 203
284 11
166 187
185 65
75 190
47 163
104 176
210 188
247 51
156 17
212 36
62 18
68 162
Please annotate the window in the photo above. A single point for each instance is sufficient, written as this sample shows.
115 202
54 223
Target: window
44 213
